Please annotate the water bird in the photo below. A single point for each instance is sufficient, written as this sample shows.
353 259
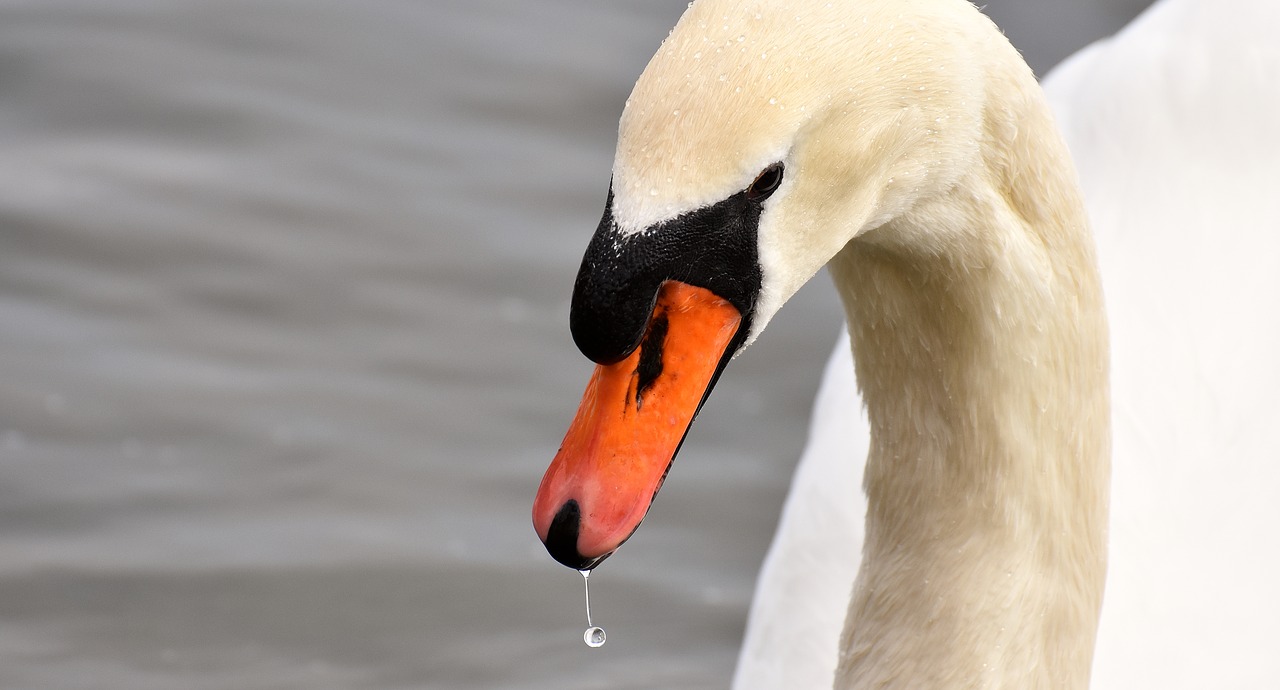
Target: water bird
1020 449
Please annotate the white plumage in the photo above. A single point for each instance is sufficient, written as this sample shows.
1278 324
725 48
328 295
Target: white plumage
1174 125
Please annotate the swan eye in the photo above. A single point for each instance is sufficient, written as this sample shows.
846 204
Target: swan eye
766 182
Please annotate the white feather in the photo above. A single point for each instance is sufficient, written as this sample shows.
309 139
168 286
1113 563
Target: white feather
1174 125
1175 129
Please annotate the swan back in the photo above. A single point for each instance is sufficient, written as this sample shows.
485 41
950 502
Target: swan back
1175 129
798 611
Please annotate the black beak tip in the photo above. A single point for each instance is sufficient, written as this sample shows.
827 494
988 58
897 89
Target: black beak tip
562 538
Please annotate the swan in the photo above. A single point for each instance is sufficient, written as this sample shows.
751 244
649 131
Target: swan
905 144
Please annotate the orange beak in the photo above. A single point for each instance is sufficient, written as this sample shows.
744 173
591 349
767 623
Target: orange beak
632 420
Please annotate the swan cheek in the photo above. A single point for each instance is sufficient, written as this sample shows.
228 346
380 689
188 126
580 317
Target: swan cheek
629 426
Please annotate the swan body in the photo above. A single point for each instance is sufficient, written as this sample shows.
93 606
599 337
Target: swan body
906 145
1179 155
1174 126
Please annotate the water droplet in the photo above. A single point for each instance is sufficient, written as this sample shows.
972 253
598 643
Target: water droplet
741 39
594 635
773 101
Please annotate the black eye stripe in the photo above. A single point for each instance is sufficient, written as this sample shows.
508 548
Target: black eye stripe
765 183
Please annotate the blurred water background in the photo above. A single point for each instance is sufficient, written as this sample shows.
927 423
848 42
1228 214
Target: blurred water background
284 349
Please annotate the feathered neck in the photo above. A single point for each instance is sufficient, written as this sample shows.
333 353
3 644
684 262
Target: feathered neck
980 346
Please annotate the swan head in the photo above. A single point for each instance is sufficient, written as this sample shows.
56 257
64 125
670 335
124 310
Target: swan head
760 139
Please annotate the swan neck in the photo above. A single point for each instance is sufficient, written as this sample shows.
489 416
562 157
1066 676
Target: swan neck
980 347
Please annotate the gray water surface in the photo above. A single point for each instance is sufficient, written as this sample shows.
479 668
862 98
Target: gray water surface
284 349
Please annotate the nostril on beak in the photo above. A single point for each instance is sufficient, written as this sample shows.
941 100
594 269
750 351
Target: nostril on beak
562 537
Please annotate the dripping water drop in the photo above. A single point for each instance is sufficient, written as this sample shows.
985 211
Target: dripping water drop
594 635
